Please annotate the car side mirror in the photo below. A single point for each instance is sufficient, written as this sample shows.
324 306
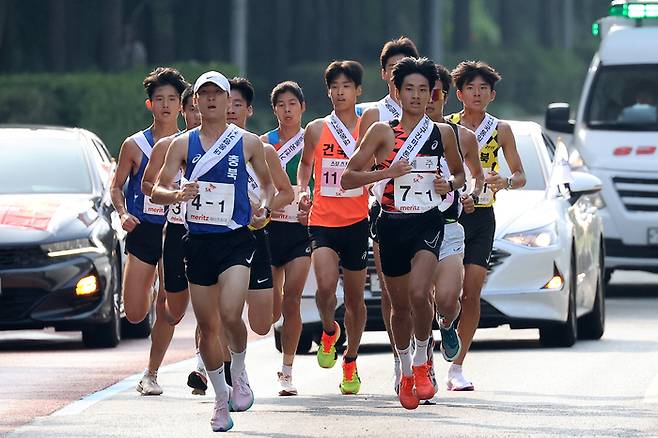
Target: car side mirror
582 184
557 118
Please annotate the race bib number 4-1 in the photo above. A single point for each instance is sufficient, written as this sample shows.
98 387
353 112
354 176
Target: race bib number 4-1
332 172
153 209
213 205
414 192
289 212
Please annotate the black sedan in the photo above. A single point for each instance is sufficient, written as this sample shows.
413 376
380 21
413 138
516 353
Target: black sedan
60 239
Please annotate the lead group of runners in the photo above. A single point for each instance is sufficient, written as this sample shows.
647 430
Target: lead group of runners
225 217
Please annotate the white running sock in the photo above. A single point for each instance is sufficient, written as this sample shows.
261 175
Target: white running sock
199 362
286 369
405 360
237 361
218 382
454 369
420 356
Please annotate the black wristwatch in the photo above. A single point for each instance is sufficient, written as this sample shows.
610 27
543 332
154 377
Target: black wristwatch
452 187
475 198
268 211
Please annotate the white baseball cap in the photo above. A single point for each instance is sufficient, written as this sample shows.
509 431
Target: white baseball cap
213 77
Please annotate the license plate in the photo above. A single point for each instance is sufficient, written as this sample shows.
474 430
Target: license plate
652 236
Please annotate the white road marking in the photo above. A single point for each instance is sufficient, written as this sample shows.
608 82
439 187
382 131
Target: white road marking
129 382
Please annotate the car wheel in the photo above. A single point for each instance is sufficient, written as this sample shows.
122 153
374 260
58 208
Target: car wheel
592 325
142 329
564 334
106 335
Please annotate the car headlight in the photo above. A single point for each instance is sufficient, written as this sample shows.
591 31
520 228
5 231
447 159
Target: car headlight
70 247
598 201
538 238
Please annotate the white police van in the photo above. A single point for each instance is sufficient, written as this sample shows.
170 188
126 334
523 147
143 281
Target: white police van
615 133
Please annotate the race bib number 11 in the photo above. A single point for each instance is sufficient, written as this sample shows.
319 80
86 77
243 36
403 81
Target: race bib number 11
332 172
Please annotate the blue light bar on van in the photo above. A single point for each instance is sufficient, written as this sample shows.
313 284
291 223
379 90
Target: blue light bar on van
647 9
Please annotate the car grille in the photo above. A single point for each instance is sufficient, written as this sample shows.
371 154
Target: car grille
637 194
617 248
497 257
27 257
15 304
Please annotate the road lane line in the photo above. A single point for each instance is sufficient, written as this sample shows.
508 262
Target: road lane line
129 382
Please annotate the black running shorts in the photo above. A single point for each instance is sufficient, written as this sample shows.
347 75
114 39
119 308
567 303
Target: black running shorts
288 241
260 276
207 255
402 235
145 242
479 230
173 258
349 242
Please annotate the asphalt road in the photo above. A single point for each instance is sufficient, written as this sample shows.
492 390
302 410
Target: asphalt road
605 388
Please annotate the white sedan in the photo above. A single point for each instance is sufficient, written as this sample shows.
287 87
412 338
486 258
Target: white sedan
546 265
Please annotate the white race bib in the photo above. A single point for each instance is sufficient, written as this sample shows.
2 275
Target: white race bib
213 205
332 172
151 208
414 192
487 195
176 213
290 211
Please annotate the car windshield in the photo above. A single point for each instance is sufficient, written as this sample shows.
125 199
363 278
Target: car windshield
42 164
624 98
535 179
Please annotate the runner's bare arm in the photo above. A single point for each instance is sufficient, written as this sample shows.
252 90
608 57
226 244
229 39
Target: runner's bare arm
174 160
469 144
508 144
129 154
305 168
358 172
284 192
441 185
369 118
155 164
255 154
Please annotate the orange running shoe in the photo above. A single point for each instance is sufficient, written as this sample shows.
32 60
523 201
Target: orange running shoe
327 350
407 395
424 388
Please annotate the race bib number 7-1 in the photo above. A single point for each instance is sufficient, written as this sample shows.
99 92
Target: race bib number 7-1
414 192
332 172
213 205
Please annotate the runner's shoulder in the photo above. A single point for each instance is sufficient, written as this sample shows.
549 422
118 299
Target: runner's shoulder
504 129
466 136
314 128
162 145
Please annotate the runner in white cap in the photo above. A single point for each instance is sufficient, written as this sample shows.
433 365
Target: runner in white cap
219 248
